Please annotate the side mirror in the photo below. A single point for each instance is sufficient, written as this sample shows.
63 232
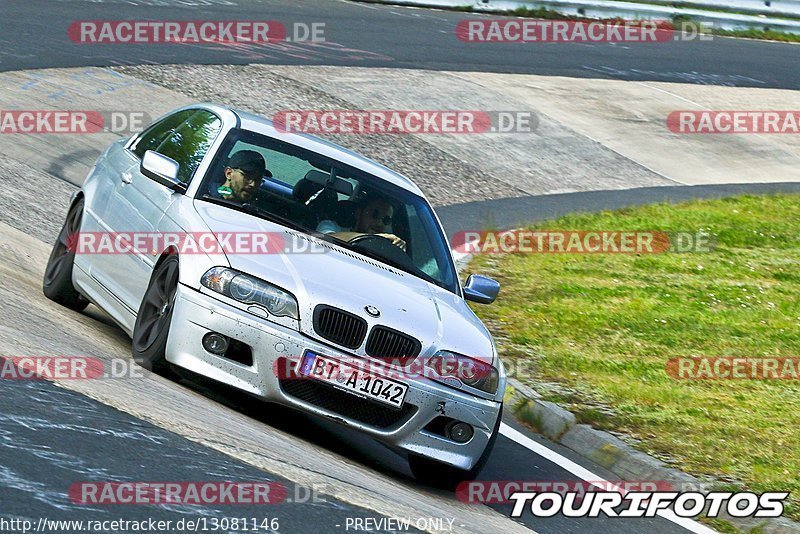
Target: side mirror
161 169
481 289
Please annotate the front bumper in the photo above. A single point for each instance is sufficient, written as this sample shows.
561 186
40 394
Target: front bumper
196 314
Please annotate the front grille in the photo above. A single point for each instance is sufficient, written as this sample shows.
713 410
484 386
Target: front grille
339 326
345 404
392 345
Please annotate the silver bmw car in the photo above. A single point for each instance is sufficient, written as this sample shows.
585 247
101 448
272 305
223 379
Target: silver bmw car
292 269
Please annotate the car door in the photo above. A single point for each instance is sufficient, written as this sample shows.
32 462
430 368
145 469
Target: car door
187 144
142 202
114 211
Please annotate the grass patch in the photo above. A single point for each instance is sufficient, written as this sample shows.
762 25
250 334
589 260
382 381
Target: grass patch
600 328
526 12
768 35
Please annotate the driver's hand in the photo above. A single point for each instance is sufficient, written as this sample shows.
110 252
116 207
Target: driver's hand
396 241
349 236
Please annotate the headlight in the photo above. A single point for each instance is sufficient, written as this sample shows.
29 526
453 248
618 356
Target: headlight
249 290
469 371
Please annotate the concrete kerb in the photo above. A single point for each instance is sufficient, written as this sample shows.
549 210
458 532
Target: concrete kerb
603 448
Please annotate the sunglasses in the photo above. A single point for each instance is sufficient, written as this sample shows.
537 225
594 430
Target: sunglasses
249 177
386 219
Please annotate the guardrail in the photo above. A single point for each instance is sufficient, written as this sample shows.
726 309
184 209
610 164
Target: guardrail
774 8
606 9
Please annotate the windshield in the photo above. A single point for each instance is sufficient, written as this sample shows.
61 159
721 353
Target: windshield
314 194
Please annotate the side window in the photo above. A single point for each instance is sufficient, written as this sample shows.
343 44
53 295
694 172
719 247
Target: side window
284 168
189 142
154 135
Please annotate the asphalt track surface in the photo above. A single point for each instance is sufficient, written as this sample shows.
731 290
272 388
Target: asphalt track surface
368 35
51 437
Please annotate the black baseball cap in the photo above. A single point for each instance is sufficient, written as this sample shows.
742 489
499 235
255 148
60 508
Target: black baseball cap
250 162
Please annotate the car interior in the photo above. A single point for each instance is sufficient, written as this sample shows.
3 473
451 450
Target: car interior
311 197
307 192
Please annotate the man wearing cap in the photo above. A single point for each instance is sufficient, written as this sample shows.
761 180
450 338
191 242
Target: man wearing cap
243 175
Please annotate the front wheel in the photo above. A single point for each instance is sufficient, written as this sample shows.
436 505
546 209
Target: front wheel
153 321
57 284
445 476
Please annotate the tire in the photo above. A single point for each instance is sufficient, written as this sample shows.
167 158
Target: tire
57 283
439 475
151 330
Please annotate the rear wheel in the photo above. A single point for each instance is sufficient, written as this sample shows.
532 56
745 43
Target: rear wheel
445 476
57 284
151 330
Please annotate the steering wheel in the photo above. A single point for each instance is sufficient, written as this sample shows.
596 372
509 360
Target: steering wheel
383 247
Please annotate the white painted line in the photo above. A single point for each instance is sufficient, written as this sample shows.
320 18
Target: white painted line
679 97
590 477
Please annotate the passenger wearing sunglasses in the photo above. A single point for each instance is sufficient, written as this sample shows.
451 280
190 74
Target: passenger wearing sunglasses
374 217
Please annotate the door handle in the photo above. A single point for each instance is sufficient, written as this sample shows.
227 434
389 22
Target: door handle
127 178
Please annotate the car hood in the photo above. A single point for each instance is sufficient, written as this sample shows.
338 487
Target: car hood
319 272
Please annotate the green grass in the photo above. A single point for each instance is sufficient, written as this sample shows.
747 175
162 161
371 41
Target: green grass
526 12
769 35
599 329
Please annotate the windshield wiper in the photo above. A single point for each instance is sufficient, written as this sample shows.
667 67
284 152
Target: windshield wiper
252 209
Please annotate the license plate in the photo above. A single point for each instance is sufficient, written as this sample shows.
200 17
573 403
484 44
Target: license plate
354 380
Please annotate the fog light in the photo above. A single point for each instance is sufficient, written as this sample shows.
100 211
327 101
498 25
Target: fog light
459 432
215 343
